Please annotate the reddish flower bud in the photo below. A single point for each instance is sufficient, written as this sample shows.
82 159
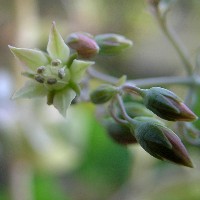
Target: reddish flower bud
167 105
84 44
162 143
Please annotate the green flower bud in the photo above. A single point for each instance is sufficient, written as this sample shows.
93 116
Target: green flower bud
135 109
162 143
84 44
167 105
103 93
119 133
111 44
148 119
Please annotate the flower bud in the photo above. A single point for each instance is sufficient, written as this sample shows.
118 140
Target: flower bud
119 133
135 109
149 119
167 105
162 143
111 44
103 93
84 44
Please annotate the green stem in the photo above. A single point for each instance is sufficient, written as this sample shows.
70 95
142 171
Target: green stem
133 89
175 41
113 115
164 81
50 97
148 82
123 111
101 76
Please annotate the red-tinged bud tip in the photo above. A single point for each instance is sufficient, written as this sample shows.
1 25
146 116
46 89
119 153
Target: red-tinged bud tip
187 114
167 105
179 153
162 143
84 44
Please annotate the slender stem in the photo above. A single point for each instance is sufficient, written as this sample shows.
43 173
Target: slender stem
50 97
113 115
148 82
123 110
164 81
133 89
175 41
101 76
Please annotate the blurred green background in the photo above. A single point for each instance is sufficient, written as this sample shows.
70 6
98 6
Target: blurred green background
46 157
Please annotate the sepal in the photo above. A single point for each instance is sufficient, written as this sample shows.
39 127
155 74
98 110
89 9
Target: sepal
32 58
56 47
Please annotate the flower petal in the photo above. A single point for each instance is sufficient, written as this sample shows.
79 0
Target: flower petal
31 89
31 57
78 69
63 99
56 47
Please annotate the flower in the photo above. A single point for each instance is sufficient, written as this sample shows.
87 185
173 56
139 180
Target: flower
167 105
161 142
55 74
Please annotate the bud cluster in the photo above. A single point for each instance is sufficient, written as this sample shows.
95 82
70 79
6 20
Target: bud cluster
88 46
142 125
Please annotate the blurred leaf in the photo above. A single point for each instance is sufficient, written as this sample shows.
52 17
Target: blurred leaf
106 165
4 195
179 191
47 188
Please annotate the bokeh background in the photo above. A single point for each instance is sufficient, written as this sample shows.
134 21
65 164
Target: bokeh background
46 157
